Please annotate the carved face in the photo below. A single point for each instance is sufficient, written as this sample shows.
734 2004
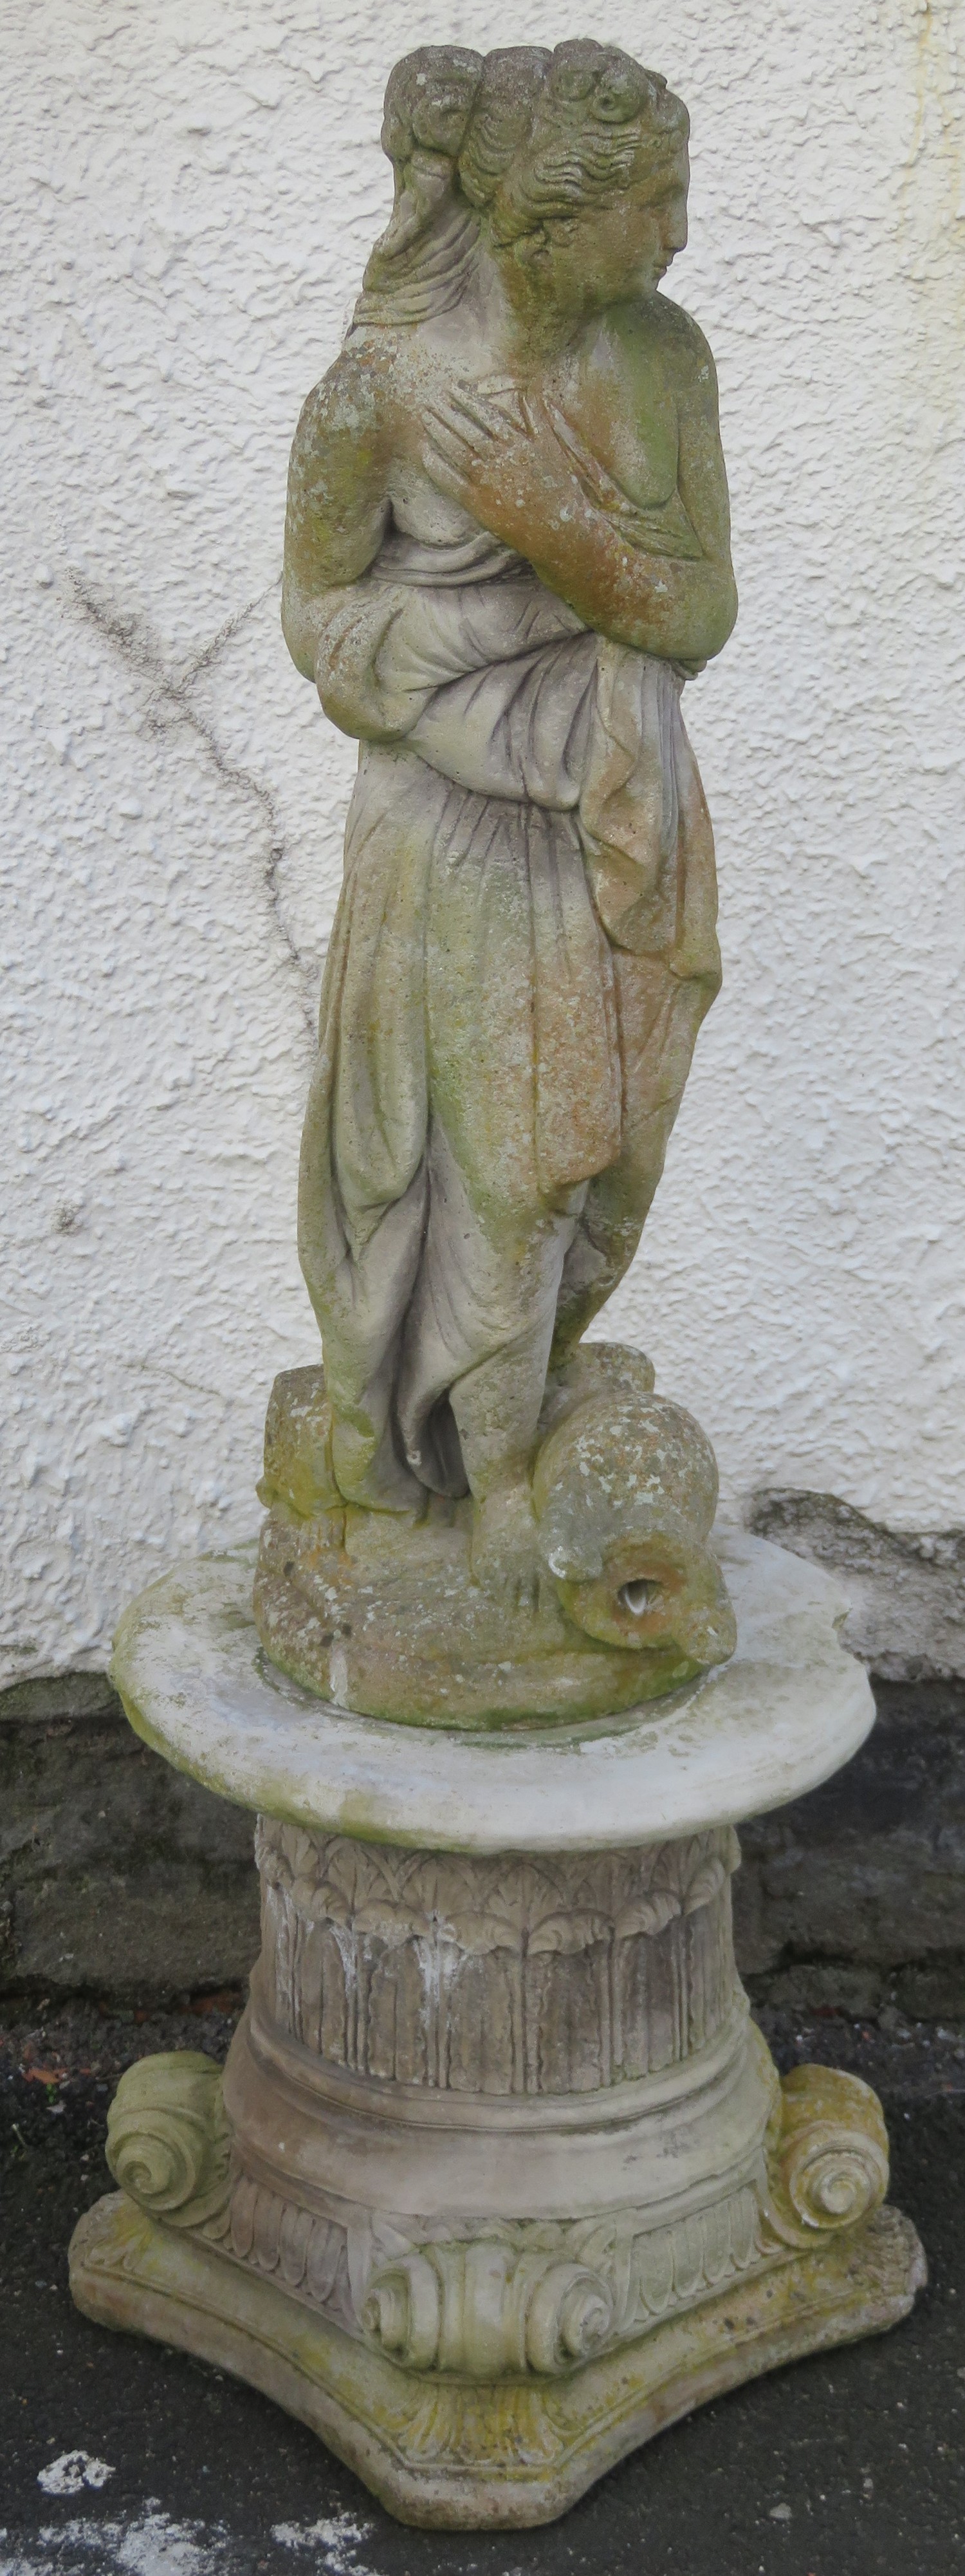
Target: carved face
602 255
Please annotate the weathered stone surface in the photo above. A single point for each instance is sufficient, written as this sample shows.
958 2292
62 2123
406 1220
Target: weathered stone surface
492 2223
491 2304
167 2139
622 1601
507 547
118 1876
563 1972
496 2111
147 496
906 1588
787 1708
440 2453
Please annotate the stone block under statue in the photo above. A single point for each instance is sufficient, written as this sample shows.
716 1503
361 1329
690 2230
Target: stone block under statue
606 1594
500 2178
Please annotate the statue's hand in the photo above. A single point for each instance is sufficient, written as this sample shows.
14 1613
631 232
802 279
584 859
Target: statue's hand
500 456
517 465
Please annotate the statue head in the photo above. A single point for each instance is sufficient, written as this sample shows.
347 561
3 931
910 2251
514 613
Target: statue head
571 166
590 199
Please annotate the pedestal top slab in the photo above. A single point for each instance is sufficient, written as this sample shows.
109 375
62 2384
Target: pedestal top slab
785 1713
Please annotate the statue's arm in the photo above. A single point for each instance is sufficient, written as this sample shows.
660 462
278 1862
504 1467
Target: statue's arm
338 505
702 487
679 604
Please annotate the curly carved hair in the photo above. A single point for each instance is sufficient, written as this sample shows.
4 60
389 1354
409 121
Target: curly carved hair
516 139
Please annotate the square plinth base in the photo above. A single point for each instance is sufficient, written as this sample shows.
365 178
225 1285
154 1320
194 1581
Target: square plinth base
440 2452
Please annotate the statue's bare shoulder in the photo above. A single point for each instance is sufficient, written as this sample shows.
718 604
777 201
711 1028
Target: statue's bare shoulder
658 331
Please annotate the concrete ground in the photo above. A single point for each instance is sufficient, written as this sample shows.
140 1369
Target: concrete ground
122 2458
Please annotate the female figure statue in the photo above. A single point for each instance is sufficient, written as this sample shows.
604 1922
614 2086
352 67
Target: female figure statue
507 545
500 2177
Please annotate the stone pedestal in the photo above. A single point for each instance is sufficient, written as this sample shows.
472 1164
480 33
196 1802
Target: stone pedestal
500 2178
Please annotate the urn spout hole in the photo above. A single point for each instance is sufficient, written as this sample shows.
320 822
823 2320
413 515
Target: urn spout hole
637 1597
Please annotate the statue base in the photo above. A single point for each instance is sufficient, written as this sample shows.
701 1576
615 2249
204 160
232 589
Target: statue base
456 2457
600 1592
499 2177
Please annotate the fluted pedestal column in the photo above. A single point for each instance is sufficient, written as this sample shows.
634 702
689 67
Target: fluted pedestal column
500 2177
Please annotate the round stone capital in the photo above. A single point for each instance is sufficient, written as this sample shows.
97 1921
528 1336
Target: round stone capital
788 1709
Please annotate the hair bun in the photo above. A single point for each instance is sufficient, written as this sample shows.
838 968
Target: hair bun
599 79
429 101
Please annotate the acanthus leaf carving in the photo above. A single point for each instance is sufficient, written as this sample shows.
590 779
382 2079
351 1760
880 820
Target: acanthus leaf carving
512 1974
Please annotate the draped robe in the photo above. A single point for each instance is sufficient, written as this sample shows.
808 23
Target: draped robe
523 952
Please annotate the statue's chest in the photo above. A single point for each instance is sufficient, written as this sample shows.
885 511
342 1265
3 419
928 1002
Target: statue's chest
420 510
624 412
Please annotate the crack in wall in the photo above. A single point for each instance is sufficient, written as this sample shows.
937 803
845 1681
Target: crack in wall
192 1386
131 640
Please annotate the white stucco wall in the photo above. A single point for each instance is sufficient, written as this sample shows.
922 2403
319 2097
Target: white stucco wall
190 190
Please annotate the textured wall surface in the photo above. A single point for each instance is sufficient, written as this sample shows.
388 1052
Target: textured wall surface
188 197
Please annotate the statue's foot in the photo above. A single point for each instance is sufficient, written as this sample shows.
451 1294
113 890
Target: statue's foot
504 1555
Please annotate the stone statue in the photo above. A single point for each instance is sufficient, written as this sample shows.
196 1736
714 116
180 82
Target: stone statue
507 548
499 2177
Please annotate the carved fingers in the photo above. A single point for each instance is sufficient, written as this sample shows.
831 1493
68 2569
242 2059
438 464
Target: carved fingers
495 450
466 441
595 483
